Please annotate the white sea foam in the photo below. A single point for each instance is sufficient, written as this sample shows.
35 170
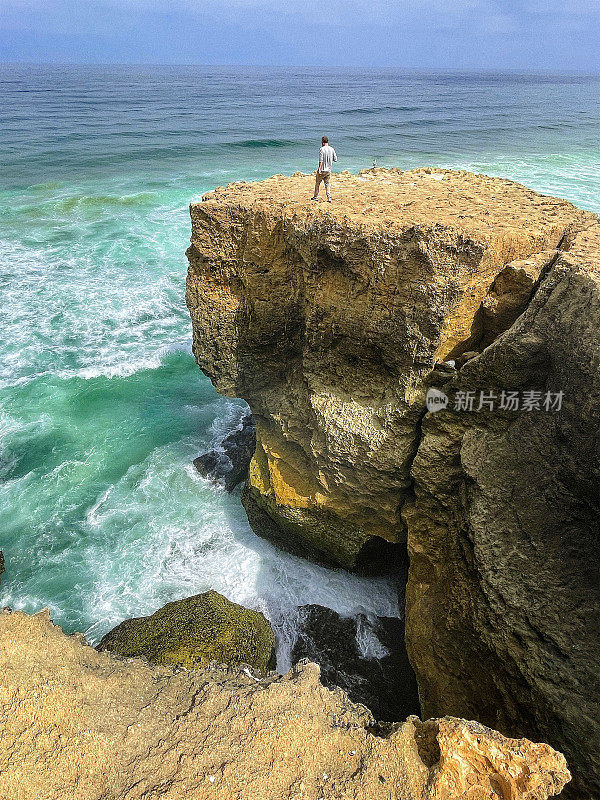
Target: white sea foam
369 645
197 539
89 310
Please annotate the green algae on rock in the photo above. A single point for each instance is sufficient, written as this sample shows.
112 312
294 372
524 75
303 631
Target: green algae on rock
195 631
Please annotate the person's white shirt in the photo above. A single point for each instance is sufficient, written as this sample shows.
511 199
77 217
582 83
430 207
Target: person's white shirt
327 156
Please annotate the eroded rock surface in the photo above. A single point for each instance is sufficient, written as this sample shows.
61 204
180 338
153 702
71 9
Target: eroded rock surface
503 598
332 321
195 631
327 318
82 725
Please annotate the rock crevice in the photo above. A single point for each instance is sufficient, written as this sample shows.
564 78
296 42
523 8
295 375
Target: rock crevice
504 534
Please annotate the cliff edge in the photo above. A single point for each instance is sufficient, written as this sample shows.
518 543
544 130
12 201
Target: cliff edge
84 725
326 319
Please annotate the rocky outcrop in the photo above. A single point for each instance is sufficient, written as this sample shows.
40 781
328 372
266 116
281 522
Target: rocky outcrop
332 322
364 657
503 598
195 631
81 724
228 464
327 318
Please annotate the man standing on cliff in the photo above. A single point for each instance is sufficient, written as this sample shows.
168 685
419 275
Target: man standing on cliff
326 158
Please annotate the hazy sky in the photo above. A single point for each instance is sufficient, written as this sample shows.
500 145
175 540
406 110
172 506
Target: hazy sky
455 34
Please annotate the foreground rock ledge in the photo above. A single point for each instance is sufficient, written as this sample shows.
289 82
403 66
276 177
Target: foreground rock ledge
327 318
91 726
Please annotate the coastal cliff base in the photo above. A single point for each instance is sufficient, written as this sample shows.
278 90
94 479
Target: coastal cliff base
364 657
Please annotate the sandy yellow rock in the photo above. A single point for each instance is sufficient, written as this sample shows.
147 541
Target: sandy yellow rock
82 725
341 312
327 318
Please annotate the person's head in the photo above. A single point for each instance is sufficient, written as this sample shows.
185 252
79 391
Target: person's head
324 140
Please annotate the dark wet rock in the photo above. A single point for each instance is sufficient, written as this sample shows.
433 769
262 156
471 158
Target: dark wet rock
464 357
196 631
385 683
228 465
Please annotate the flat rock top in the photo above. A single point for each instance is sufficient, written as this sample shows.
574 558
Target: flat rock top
390 198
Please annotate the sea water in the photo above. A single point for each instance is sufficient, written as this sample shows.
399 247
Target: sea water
102 408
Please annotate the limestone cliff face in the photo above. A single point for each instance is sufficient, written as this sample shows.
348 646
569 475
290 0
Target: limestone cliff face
329 321
326 319
81 725
503 599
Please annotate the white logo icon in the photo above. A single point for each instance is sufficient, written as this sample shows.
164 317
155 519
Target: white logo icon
436 400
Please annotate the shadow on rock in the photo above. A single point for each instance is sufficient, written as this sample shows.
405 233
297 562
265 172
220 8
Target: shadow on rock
365 658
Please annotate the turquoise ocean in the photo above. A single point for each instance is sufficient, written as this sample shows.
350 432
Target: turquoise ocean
102 408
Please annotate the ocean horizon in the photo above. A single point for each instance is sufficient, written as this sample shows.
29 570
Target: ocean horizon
102 407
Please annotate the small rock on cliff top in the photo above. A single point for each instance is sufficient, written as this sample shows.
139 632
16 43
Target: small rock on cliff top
195 631
81 724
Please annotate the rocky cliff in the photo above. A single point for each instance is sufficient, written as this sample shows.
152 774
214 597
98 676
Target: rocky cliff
326 320
81 725
332 322
503 598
